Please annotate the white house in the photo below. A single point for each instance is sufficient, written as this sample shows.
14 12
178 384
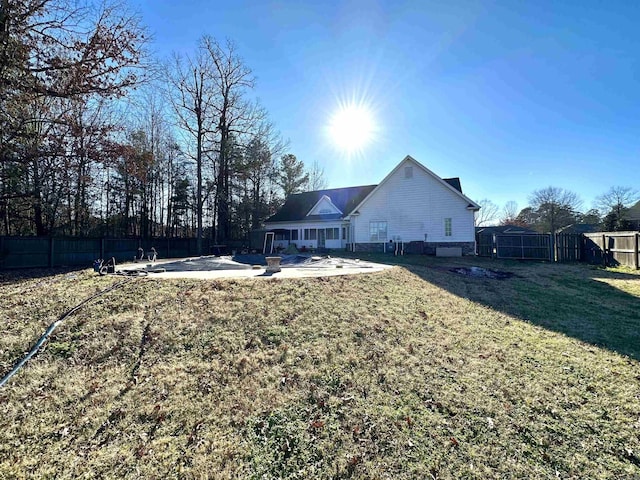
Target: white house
412 207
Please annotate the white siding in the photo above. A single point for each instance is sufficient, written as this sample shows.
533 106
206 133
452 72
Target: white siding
324 205
311 243
413 207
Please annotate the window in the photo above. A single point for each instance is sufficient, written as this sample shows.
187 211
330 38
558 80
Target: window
309 233
447 227
333 234
294 234
344 233
280 237
378 231
325 211
408 172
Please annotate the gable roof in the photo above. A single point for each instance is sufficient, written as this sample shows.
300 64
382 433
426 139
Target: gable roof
451 184
580 228
326 201
633 213
454 182
298 205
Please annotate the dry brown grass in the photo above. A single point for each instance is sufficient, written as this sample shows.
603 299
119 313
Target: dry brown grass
408 373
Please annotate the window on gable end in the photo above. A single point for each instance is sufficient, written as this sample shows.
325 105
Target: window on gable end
408 172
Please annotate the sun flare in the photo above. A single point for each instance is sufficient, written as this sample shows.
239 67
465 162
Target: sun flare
352 128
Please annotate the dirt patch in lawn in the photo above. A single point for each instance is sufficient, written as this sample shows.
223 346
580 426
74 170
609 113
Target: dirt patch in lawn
479 272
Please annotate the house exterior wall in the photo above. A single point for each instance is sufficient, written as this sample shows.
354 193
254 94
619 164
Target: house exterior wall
429 248
301 226
414 207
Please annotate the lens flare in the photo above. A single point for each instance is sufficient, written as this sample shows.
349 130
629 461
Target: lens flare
352 127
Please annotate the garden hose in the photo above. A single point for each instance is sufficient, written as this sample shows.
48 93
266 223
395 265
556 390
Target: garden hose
55 324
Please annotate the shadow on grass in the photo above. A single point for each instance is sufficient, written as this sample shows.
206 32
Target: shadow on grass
587 303
17 275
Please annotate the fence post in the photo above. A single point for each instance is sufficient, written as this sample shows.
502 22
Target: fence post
102 248
604 250
636 253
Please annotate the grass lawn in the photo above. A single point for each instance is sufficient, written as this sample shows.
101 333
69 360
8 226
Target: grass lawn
414 372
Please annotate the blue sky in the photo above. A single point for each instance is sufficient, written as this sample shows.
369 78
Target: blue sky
510 96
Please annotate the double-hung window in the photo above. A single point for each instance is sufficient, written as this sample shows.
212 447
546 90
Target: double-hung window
378 231
447 227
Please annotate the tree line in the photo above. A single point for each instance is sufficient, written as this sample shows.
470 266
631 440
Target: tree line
551 209
99 138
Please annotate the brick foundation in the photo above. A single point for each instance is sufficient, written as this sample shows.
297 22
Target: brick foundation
468 248
428 248
367 247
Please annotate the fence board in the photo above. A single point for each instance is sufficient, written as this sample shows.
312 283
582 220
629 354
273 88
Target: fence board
613 248
42 252
569 247
530 246
484 245
523 246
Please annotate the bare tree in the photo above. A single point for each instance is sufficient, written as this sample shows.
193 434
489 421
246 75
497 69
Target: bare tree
509 213
487 214
193 98
554 208
236 117
58 48
56 55
615 202
317 180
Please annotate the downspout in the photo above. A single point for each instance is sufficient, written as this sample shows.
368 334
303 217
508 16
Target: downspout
353 237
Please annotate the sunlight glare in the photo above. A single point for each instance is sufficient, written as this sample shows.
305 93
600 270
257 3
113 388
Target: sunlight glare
352 128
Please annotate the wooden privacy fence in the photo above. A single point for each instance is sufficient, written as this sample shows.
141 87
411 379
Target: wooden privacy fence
524 247
30 252
569 247
605 248
613 248
515 246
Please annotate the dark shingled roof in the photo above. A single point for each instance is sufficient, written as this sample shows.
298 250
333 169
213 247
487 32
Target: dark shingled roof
503 229
454 182
580 228
298 205
634 212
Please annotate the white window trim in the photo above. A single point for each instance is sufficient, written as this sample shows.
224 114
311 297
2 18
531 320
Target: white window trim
448 222
378 224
